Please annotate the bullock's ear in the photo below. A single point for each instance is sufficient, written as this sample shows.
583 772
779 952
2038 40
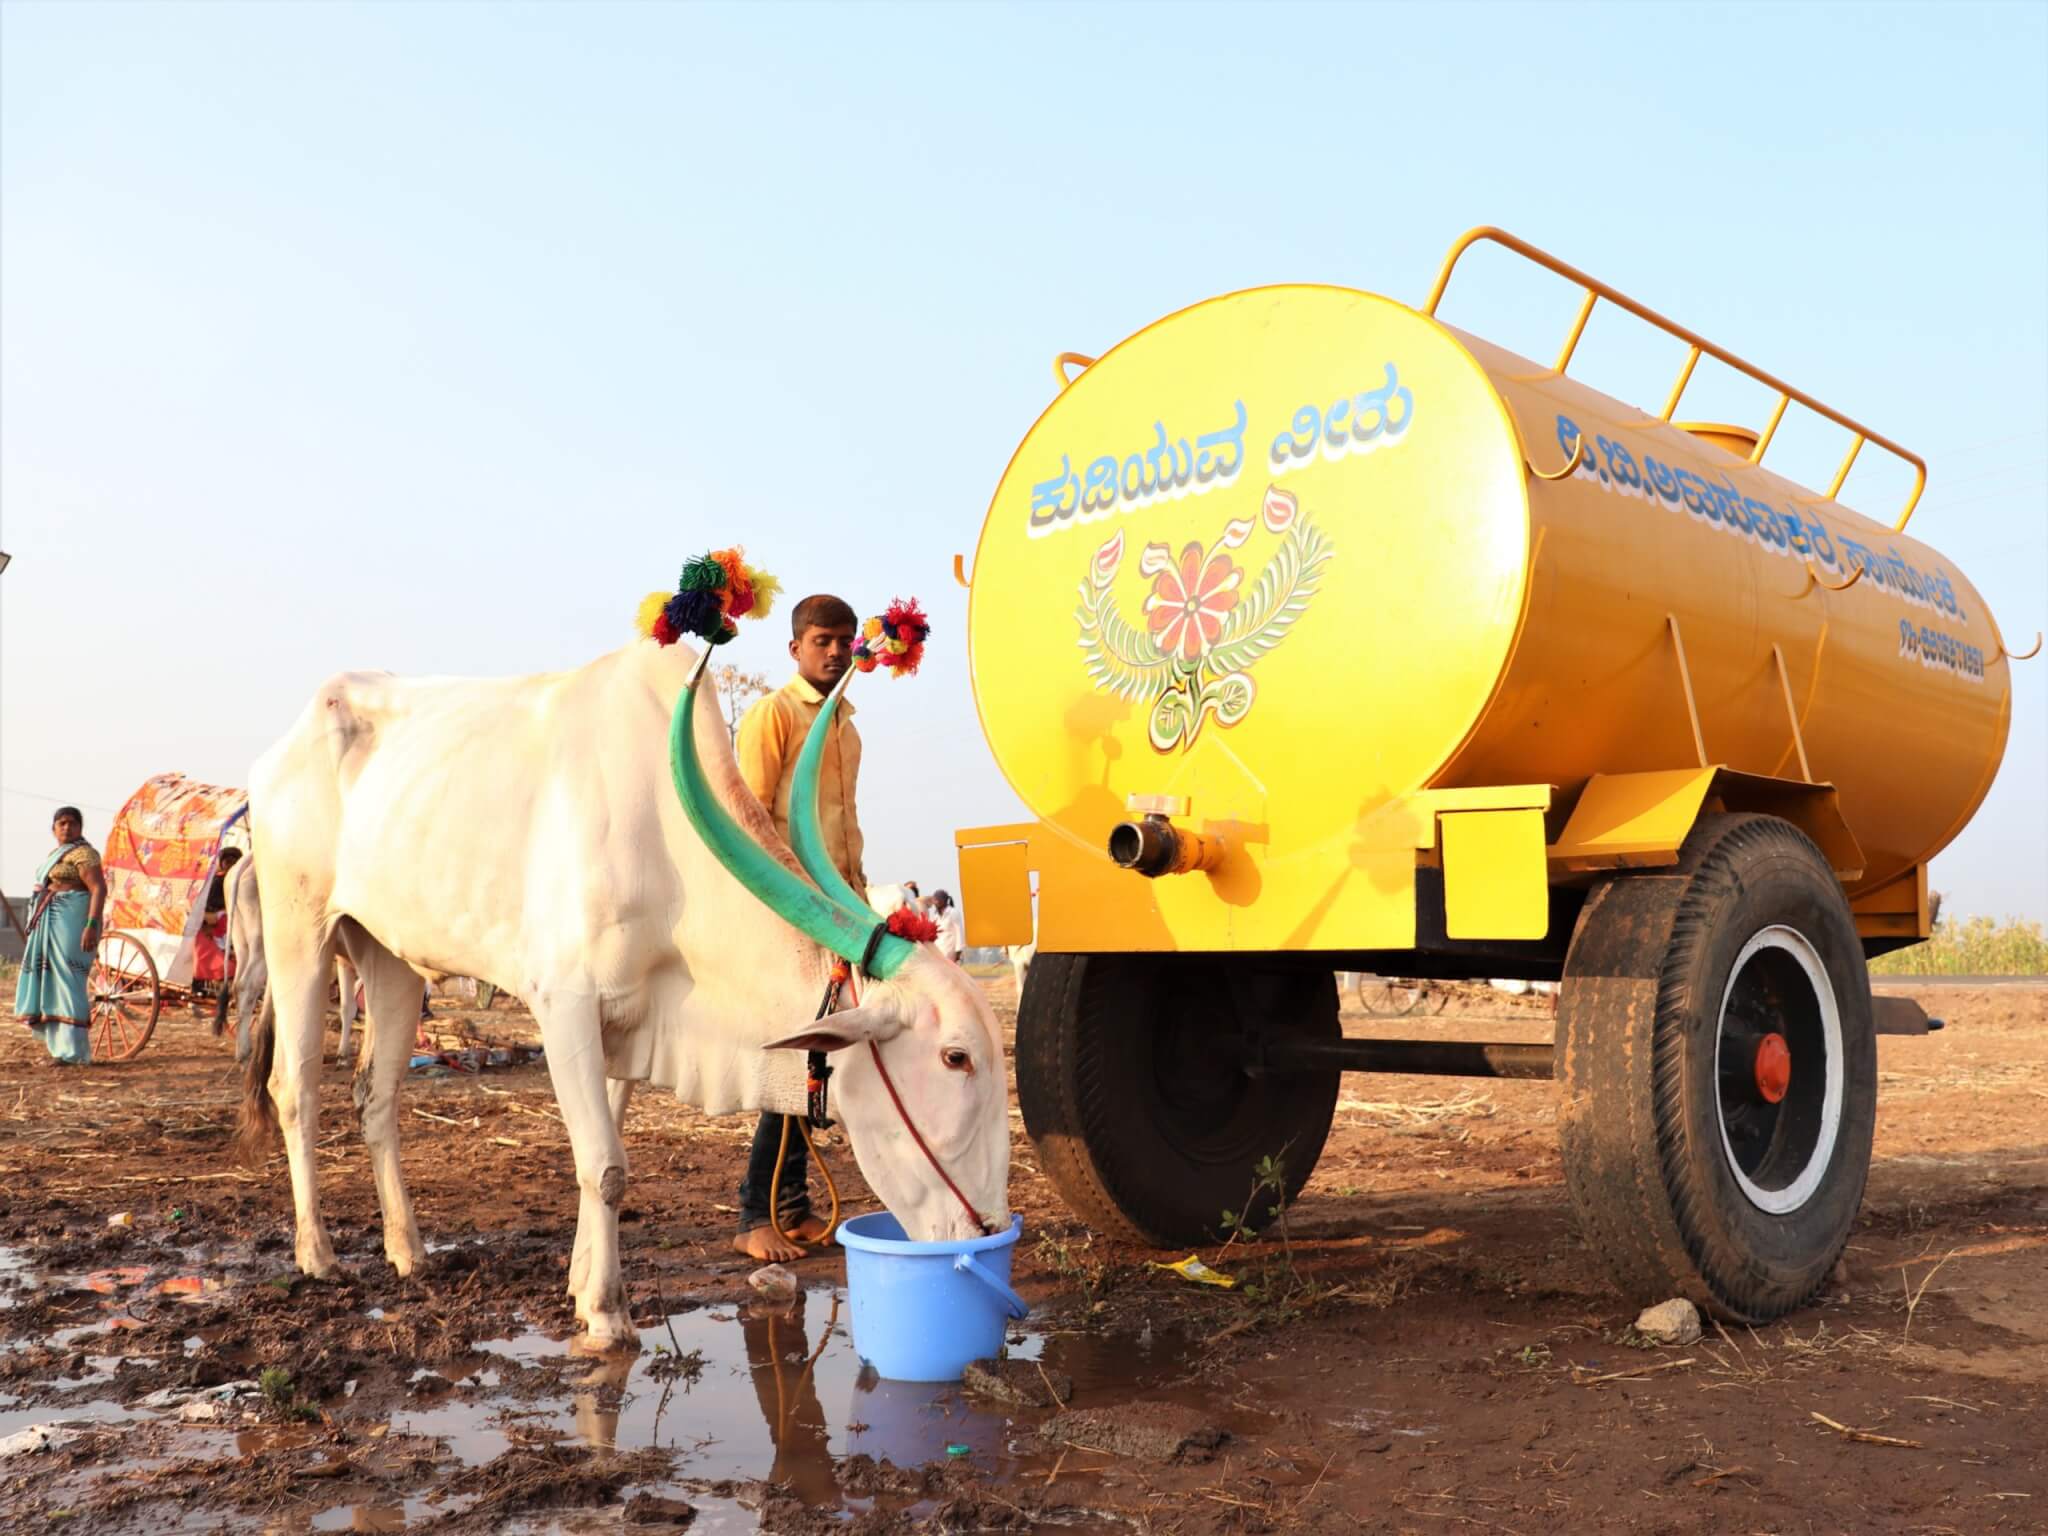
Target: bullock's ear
835 1032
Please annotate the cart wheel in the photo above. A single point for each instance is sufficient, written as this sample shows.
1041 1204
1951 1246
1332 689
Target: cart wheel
1130 1074
126 998
1720 1072
1393 997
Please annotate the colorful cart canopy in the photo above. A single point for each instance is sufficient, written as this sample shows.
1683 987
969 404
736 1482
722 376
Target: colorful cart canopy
160 857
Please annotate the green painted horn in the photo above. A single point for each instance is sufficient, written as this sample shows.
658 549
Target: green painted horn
810 911
808 839
806 834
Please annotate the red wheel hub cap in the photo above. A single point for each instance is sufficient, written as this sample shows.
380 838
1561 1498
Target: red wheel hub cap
1773 1067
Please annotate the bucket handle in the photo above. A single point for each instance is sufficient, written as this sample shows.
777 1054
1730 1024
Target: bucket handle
1014 1304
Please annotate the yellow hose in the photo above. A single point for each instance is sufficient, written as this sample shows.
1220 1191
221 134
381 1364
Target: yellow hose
775 1188
825 1170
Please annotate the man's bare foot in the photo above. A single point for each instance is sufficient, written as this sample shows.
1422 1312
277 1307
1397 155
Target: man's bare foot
810 1230
761 1244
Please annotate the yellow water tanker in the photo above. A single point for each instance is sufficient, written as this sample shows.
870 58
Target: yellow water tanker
1320 635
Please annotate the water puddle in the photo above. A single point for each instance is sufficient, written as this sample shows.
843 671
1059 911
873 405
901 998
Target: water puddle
748 1393
711 1517
779 1394
363 1517
13 1420
272 1437
409 1514
16 1278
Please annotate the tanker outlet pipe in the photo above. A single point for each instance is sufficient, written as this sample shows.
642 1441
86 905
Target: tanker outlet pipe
1155 847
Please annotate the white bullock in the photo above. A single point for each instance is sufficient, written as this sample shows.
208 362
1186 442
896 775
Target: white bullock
528 829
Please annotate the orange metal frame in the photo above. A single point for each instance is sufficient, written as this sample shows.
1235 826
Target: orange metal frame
1596 290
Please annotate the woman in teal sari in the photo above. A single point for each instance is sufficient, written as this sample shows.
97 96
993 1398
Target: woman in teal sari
52 997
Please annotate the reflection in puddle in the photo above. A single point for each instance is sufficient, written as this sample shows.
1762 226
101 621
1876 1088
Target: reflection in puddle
363 1517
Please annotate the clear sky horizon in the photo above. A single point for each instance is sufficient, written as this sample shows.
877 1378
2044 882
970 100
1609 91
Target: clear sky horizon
430 337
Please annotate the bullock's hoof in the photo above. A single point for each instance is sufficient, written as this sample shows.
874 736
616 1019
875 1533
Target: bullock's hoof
607 1331
405 1258
606 1323
317 1260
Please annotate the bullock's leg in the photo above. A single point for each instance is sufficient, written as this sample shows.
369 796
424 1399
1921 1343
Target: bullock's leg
618 1093
250 980
570 1030
298 987
393 991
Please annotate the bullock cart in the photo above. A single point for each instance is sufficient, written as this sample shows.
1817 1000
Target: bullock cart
160 859
1320 635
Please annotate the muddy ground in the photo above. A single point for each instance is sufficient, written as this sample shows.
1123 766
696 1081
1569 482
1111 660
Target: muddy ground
1438 1352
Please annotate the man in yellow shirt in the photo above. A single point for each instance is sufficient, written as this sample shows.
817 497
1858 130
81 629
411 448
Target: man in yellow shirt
771 735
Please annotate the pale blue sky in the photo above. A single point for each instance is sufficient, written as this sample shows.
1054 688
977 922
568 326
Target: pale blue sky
429 337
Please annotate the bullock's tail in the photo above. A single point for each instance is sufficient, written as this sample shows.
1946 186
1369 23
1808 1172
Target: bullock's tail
257 1131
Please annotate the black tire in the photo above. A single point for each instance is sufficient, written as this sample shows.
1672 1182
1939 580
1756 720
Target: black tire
1688 1178
1130 1075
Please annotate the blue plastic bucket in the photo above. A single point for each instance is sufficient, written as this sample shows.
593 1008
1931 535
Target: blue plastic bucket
924 1311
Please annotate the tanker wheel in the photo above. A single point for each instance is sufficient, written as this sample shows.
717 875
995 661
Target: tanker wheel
1131 1077
1719 1072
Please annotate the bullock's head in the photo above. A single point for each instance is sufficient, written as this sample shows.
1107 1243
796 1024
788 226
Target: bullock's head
922 1050
919 1056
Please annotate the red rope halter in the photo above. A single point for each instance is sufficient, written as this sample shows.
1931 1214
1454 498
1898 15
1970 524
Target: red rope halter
910 1125
981 1225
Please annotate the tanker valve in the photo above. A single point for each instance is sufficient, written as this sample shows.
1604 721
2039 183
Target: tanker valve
1155 847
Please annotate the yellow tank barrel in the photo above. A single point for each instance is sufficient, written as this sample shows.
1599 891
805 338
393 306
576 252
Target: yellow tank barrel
1378 604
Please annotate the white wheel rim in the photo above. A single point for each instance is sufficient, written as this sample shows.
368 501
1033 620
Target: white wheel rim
1795 1193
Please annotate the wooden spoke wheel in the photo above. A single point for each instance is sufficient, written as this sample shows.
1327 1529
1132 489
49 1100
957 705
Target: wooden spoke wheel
126 998
1396 997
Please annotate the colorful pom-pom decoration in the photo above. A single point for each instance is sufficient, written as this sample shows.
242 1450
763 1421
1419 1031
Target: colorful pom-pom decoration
894 640
909 923
716 590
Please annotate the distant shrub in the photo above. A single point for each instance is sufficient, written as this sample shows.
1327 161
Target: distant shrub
1976 946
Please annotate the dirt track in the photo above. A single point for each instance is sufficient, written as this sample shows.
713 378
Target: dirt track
1440 1353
